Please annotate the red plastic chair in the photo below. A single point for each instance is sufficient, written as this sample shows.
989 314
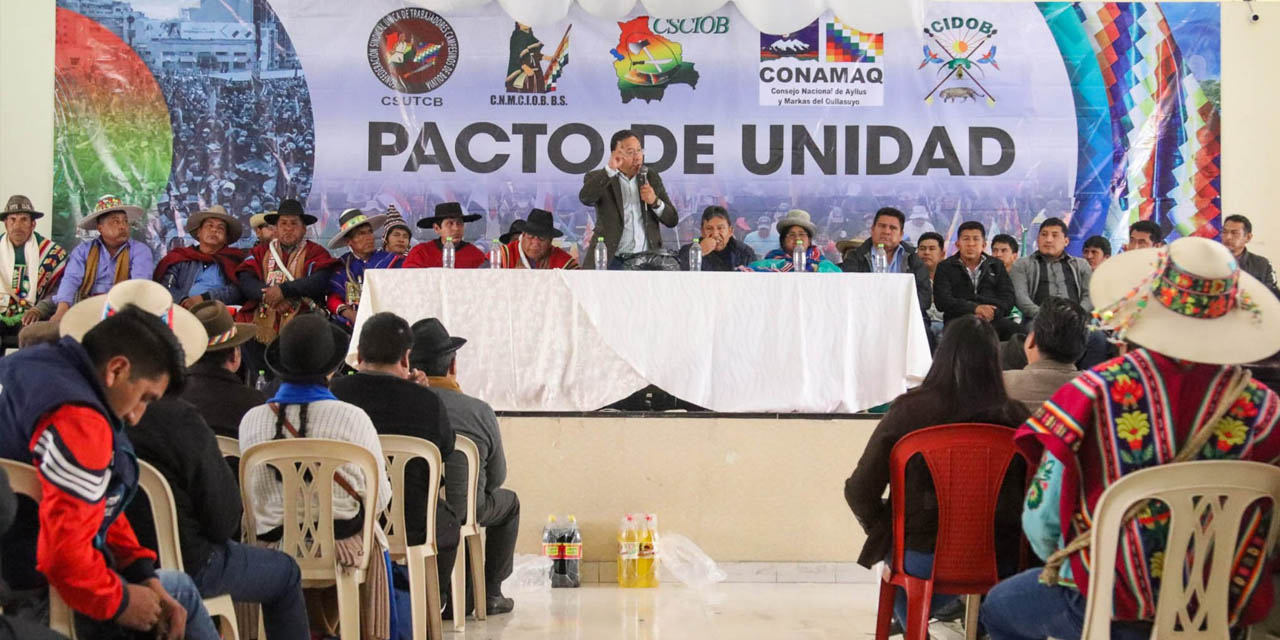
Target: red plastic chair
968 464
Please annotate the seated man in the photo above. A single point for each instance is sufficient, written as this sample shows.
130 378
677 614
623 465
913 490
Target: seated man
1005 249
174 439
497 508
972 282
385 389
1144 234
931 248
67 406
283 278
720 250
262 230
1056 342
533 249
214 389
1050 271
448 223
1147 408
109 259
206 271
30 269
886 230
1237 233
1096 251
396 233
355 231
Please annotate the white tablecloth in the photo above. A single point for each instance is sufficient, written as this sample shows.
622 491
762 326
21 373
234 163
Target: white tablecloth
730 342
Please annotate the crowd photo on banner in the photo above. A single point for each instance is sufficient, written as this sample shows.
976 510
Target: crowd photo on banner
213 425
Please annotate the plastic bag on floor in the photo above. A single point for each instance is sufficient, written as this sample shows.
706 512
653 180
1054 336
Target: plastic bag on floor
531 574
687 562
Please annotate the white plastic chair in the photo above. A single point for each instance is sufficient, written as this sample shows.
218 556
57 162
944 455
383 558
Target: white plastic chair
169 547
228 447
307 467
471 543
1216 491
25 481
424 577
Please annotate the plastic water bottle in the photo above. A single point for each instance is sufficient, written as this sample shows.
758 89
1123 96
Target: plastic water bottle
879 259
628 551
798 258
571 551
602 255
261 383
449 253
695 255
495 254
647 562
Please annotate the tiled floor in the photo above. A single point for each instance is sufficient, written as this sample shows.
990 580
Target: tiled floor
776 610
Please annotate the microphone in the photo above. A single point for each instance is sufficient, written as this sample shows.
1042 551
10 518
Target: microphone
642 177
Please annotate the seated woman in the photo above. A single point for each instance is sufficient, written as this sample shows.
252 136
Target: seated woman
794 229
963 385
305 356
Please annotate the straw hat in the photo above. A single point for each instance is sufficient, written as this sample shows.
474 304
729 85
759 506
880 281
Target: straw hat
148 296
217 211
1189 300
106 205
259 220
351 220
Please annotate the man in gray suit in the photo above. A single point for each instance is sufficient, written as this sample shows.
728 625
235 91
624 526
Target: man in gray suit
629 200
1056 342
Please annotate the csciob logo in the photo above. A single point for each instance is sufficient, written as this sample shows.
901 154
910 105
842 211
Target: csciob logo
413 50
963 46
647 63
716 25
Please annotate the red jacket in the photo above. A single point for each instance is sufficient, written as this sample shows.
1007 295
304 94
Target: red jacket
431 254
557 259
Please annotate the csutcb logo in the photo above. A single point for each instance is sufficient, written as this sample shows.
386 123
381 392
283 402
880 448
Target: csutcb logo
413 50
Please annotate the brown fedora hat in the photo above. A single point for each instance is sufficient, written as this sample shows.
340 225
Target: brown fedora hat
224 332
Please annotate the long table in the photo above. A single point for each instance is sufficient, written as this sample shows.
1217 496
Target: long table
731 342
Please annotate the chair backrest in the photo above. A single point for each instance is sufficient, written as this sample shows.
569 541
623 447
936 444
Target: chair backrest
968 463
399 451
164 515
1207 501
306 468
228 447
467 447
24 481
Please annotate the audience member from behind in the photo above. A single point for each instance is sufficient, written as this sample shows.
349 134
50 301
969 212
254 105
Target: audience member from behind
1056 342
795 230
1005 249
1050 271
963 385
385 389
174 439
214 386
1237 233
974 283
497 508
13 627
1144 234
1096 251
304 357
720 250
66 406
1195 318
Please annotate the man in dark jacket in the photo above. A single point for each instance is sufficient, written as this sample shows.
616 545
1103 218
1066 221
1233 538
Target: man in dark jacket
972 282
397 405
629 200
886 229
1237 232
720 250
219 395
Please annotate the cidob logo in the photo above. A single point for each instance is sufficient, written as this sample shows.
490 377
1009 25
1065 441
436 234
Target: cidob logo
413 50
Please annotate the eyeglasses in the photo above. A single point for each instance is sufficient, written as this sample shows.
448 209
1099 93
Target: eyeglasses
633 153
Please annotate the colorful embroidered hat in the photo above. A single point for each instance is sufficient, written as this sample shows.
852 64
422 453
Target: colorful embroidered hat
148 296
1189 300
109 204
394 221
349 221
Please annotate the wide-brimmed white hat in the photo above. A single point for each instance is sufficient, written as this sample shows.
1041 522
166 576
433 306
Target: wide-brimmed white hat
1189 300
797 218
353 219
148 296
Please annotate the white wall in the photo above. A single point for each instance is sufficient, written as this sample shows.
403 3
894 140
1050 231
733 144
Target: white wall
1249 95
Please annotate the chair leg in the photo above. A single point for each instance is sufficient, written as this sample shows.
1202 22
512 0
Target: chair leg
971 604
458 589
348 607
919 593
884 613
418 599
435 625
476 545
